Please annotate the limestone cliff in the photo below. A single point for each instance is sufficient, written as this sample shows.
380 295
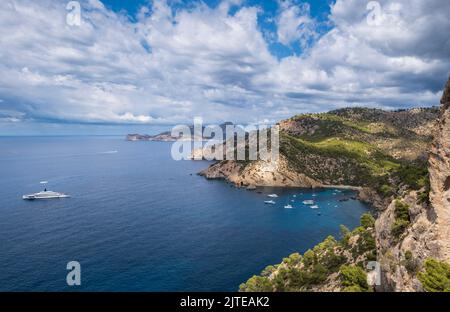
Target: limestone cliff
439 168
404 242
260 173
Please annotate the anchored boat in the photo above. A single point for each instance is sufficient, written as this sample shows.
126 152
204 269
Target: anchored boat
45 195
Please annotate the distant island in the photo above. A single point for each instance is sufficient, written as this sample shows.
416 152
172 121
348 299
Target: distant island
166 136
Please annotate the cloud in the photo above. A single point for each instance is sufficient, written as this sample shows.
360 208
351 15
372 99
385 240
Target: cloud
170 65
295 24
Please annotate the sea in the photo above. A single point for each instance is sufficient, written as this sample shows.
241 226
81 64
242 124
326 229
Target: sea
137 220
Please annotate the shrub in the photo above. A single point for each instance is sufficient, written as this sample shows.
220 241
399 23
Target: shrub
401 210
399 227
353 288
345 235
414 177
309 258
268 271
256 284
367 221
410 263
401 218
386 190
436 276
423 197
333 261
354 277
293 260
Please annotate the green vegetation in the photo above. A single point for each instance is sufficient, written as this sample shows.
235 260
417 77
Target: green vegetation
257 284
359 146
367 220
353 278
348 162
401 221
436 276
410 263
302 273
386 190
413 176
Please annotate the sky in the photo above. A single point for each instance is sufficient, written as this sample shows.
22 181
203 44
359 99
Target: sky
142 66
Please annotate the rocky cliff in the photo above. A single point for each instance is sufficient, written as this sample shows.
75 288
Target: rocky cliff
405 240
410 239
439 167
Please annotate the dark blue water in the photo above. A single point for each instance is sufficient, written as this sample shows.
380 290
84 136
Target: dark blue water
138 220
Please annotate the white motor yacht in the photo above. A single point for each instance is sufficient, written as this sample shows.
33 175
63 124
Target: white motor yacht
273 195
308 202
270 202
45 195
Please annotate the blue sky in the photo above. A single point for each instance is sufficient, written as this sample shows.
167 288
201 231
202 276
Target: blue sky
319 9
141 66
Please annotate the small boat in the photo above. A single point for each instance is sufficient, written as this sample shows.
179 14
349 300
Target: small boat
294 195
314 195
288 206
308 202
314 207
45 195
273 195
270 202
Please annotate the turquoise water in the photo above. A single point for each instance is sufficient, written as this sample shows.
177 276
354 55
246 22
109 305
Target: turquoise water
139 221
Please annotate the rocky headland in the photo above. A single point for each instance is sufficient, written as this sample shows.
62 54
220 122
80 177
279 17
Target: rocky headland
401 160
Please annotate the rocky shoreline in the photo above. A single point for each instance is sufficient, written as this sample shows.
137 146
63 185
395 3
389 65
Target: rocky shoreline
409 239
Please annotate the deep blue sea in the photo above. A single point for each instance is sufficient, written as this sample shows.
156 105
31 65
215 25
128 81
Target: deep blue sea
140 221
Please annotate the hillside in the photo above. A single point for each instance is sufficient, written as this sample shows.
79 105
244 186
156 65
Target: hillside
357 147
410 238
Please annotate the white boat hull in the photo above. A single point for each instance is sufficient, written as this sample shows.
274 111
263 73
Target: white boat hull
45 195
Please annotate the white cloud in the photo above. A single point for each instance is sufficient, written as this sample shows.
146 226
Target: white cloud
170 66
295 24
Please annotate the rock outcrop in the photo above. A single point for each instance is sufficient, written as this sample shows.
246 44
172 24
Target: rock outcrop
260 173
439 168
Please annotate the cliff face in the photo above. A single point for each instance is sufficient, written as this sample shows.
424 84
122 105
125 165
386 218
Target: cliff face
439 168
260 173
411 229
